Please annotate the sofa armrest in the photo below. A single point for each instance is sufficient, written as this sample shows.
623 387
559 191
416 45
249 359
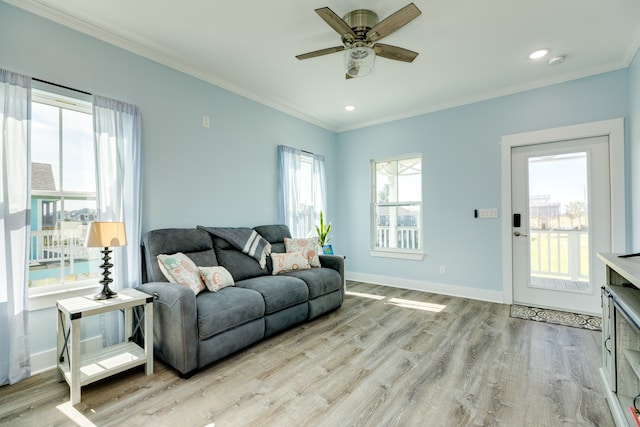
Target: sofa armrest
175 324
335 262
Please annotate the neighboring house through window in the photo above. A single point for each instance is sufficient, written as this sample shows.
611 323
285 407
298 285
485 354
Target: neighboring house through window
63 191
397 207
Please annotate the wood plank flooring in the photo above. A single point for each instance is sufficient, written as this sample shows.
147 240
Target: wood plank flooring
387 357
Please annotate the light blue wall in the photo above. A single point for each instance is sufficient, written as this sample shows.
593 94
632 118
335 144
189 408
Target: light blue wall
634 158
224 175
460 148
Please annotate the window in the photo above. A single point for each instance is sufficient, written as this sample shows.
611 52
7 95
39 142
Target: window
305 194
397 206
63 192
301 190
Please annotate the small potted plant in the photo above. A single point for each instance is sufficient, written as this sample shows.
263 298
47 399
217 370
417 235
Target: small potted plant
322 230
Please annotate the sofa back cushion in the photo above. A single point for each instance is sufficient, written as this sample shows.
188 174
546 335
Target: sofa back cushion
240 265
275 235
194 243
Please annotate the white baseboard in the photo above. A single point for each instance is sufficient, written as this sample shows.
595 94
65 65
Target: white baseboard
436 288
47 360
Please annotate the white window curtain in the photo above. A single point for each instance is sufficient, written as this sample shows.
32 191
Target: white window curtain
15 114
289 211
117 130
319 188
288 172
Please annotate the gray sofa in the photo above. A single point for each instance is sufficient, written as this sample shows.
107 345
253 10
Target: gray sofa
193 331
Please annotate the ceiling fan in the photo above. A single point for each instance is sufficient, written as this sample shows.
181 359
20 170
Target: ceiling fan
360 30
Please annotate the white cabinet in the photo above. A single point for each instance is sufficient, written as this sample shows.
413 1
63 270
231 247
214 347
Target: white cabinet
620 372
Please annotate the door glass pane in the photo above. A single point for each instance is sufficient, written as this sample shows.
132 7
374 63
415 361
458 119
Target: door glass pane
559 222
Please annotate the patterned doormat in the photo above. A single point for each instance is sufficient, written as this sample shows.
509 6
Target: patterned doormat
556 317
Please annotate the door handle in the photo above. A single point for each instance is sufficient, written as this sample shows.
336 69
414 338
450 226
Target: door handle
519 234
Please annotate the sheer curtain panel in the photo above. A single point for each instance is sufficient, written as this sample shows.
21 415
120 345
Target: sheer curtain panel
319 189
288 173
117 131
15 114
290 210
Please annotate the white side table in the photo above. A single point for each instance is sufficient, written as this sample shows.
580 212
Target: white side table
82 369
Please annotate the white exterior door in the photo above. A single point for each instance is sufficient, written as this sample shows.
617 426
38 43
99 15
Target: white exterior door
560 219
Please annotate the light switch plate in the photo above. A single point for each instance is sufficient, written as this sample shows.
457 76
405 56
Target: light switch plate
488 213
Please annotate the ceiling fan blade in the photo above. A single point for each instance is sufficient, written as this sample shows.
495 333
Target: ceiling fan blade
335 22
394 52
393 22
320 52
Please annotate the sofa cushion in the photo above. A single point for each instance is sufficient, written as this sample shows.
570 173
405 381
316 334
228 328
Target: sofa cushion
195 244
179 268
215 278
274 234
289 262
308 246
321 281
278 292
226 309
241 266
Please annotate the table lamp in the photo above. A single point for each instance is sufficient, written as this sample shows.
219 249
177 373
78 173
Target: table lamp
105 235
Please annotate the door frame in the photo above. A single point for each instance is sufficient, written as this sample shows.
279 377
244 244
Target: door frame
614 129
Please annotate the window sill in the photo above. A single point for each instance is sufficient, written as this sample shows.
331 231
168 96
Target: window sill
47 299
397 253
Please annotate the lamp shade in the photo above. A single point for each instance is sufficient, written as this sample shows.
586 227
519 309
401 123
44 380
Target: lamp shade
359 60
106 234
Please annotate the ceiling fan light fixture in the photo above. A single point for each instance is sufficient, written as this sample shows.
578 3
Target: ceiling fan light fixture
359 61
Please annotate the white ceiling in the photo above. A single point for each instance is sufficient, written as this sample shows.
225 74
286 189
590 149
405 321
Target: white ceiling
470 50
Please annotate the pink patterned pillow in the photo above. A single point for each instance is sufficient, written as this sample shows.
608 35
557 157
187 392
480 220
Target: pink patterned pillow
289 262
178 268
308 246
216 278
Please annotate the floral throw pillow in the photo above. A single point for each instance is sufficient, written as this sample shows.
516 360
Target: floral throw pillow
178 268
308 246
289 262
216 278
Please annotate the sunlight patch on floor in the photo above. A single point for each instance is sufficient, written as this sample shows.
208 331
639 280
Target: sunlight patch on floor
416 305
74 415
361 295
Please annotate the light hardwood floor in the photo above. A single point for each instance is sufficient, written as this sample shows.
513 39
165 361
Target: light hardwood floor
387 357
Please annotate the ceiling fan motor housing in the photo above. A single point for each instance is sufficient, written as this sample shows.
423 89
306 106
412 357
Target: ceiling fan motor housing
360 21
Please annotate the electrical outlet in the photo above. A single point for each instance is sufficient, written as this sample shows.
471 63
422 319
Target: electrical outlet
443 269
206 122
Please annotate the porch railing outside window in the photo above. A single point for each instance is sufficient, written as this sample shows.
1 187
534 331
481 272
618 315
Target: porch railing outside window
405 237
560 254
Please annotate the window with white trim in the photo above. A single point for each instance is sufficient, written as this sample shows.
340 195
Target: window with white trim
63 193
396 214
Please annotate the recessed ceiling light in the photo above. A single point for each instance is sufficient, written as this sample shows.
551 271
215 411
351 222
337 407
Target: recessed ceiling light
350 107
541 53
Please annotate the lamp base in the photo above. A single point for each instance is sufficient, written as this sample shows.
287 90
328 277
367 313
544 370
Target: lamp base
106 293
